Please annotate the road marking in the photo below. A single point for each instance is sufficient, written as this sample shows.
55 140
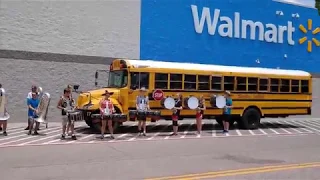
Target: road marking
234 172
161 130
307 126
122 135
283 128
294 129
262 131
29 137
251 132
186 131
238 132
305 129
271 129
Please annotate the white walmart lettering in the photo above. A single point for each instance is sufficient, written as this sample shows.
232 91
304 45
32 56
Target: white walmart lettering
231 28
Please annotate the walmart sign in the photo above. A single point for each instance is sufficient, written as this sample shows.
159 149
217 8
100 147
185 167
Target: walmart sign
237 33
231 27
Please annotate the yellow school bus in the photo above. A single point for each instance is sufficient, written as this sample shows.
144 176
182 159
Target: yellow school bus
256 92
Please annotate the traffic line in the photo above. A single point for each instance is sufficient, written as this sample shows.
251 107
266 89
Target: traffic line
283 129
225 173
303 128
29 136
271 129
294 129
186 131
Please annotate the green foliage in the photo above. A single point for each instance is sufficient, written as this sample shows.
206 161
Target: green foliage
318 6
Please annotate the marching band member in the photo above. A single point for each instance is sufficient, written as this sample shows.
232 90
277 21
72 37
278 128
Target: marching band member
199 114
142 104
4 122
106 108
64 104
34 89
227 112
176 113
33 104
68 126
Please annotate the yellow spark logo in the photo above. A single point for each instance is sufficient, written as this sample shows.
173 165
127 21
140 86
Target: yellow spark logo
314 32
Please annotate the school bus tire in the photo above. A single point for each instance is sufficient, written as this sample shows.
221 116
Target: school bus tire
250 118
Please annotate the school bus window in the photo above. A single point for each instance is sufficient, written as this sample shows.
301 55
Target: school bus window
175 81
216 83
228 83
295 86
203 82
161 81
263 84
134 82
274 85
190 81
253 84
241 84
285 85
304 86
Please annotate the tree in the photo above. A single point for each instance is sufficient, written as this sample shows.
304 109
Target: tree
318 6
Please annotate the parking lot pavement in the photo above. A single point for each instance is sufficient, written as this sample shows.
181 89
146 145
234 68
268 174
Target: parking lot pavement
157 131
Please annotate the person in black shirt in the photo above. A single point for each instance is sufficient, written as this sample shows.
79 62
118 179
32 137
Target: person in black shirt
176 113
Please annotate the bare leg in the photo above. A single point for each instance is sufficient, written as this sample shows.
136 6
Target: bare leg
175 129
139 126
31 122
103 127
144 124
110 127
4 125
37 127
227 126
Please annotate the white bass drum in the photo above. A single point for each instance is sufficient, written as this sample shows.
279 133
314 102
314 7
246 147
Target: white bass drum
220 102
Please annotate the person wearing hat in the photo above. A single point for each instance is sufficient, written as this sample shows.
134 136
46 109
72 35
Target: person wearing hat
142 105
227 112
106 109
34 89
70 88
3 123
65 104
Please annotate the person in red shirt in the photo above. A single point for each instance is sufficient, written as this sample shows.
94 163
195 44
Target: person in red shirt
199 114
106 110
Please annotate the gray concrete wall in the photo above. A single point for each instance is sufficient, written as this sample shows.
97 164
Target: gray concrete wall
17 76
108 28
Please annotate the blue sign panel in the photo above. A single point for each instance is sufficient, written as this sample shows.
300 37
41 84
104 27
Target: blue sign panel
253 33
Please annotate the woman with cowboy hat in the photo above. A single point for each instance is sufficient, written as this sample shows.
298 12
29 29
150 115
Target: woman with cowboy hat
106 109
227 112
142 105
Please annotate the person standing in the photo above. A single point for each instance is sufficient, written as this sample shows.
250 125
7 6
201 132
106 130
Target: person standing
65 105
227 112
176 114
34 89
33 104
199 114
142 105
3 122
106 111
68 126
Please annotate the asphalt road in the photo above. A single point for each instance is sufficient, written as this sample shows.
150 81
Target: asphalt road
145 159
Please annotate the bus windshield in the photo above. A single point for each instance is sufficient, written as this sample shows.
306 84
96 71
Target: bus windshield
118 79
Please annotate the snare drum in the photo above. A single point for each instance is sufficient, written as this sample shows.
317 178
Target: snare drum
156 115
142 113
107 116
149 114
96 118
168 102
119 117
74 116
191 102
132 115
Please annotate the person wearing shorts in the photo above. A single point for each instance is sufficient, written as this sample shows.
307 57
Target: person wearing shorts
64 104
34 89
142 104
106 108
227 112
176 114
33 104
3 122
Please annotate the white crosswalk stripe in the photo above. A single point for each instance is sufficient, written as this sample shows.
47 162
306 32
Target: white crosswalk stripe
159 131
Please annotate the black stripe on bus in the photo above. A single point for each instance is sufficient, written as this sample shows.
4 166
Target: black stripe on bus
162 108
284 108
274 100
235 92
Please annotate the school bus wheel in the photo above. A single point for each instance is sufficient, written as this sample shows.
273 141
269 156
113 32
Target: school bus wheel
251 118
